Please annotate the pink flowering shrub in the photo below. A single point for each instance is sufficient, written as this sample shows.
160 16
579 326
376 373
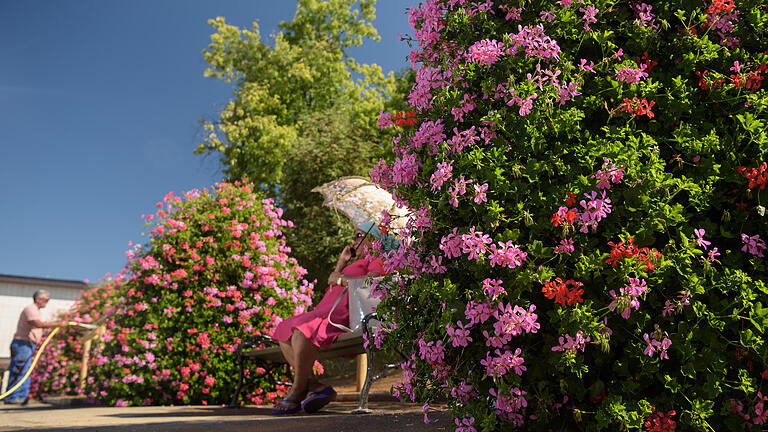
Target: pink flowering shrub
588 236
216 270
58 369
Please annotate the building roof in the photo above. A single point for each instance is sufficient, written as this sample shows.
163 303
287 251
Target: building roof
64 283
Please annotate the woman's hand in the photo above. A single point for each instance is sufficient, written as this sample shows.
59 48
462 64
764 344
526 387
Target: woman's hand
337 278
344 258
333 278
346 255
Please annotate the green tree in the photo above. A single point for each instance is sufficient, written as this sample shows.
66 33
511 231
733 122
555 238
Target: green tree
329 147
303 113
306 71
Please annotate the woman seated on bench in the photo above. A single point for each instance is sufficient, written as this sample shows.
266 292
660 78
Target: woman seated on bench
302 336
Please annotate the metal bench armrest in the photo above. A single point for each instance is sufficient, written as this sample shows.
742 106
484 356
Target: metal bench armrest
253 342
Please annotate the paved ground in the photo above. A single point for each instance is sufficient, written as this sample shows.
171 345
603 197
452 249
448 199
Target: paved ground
386 416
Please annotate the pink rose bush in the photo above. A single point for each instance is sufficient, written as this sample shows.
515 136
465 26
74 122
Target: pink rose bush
215 271
587 242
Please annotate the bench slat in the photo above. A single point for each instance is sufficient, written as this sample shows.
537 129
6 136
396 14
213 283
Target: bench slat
350 346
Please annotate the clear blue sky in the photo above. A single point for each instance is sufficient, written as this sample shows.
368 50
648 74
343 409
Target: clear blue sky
99 110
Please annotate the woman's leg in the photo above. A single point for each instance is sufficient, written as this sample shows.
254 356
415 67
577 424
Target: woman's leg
304 356
287 349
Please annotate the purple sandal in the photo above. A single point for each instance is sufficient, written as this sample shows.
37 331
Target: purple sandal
277 411
316 400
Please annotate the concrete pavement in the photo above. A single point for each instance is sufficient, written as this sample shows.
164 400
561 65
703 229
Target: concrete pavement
336 417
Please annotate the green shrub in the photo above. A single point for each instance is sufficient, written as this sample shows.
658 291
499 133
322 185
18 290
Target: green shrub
588 237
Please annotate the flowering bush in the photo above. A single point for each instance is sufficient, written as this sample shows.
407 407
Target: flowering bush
215 271
58 369
588 233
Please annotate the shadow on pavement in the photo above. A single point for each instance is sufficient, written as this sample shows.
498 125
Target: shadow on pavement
411 422
199 412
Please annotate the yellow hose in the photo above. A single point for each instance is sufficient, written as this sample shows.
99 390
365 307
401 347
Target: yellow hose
32 367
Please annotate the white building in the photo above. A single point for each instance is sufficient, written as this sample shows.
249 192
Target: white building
16 293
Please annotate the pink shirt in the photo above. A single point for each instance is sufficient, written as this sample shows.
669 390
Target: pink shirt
25 330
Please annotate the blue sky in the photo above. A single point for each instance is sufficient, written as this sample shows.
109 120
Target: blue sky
100 105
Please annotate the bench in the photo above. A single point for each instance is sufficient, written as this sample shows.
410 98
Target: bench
270 357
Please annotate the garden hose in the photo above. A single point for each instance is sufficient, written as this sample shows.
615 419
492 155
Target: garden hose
39 352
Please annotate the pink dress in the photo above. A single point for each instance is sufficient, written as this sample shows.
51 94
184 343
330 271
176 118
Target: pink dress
314 324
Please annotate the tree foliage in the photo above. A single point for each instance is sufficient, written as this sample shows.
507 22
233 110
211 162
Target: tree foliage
304 113
305 71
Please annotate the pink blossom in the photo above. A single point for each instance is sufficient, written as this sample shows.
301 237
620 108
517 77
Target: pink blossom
427 79
451 244
631 75
699 233
477 312
459 188
507 255
569 343
458 336
657 341
405 169
513 321
463 392
566 246
466 105
430 135
465 425
534 42
503 363
625 301
462 139
753 244
441 175
480 193
486 52
644 16
587 67
509 407
526 105
431 351
384 120
473 243
589 16
596 209
650 349
493 288
713 254
548 16
608 174
513 13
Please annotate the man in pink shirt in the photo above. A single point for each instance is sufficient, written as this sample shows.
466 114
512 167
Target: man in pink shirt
29 331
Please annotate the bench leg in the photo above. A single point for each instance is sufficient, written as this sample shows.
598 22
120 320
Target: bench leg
362 406
235 399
